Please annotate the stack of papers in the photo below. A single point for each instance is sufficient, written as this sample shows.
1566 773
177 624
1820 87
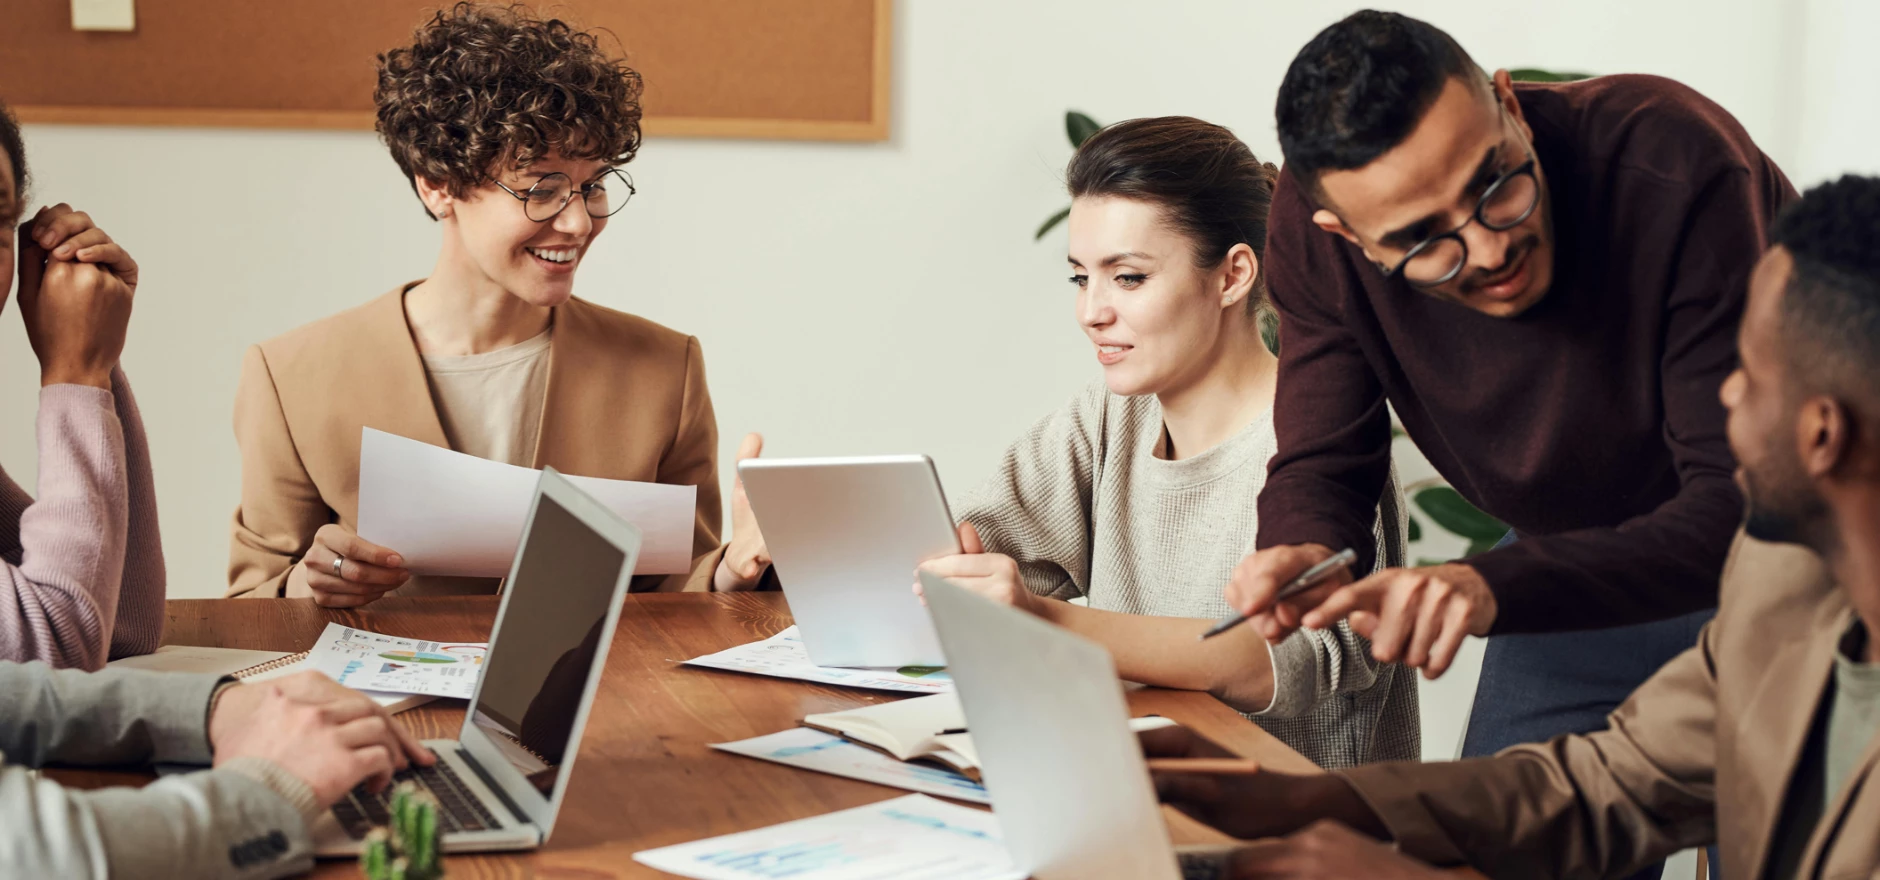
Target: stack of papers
915 838
397 673
784 656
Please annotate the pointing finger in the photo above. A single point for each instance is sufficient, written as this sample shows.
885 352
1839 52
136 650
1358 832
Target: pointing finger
1364 595
1455 629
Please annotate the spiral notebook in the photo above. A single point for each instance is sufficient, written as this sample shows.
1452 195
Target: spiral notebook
249 666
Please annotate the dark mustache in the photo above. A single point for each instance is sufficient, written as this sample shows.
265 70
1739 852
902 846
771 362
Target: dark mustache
1479 279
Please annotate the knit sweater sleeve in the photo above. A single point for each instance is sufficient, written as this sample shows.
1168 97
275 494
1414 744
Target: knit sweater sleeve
59 582
1037 508
1312 666
139 625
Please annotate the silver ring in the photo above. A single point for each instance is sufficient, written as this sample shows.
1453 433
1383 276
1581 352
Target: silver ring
337 562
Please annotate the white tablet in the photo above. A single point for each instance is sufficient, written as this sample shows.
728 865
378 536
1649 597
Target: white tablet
845 536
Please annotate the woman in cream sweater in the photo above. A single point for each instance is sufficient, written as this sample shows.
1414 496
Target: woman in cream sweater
1138 495
512 131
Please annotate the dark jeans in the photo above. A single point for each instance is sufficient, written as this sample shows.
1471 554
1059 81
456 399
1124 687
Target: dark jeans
1536 687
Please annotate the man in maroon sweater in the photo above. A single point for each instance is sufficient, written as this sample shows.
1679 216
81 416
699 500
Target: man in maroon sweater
1544 281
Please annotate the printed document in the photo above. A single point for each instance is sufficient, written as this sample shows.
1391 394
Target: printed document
783 656
913 838
813 749
448 513
379 663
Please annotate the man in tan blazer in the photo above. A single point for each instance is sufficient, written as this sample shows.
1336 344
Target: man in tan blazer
1761 738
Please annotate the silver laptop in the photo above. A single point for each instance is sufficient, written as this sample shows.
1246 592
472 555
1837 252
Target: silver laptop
500 783
1048 718
845 535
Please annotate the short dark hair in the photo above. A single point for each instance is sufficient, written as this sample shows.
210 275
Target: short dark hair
1831 307
1207 182
15 148
481 87
1359 88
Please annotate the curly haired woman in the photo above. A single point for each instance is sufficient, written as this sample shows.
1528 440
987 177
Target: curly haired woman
512 130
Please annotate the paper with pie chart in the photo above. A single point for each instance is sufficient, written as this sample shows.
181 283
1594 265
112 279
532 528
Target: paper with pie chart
377 662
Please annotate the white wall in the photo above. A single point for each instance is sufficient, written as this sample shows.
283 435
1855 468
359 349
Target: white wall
1834 106
850 298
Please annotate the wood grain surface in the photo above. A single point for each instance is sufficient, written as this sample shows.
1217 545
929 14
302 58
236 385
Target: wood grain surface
646 775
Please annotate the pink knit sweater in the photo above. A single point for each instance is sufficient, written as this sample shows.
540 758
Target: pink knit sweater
81 568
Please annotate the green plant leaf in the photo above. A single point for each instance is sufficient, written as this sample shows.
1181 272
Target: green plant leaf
1416 531
1533 74
1448 508
1079 127
1052 223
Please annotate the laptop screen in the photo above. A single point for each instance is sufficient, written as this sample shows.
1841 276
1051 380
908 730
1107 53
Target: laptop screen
539 664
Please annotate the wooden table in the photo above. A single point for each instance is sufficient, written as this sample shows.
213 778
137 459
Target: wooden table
646 776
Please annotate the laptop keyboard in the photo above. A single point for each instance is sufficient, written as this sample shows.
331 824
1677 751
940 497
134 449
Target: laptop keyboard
360 810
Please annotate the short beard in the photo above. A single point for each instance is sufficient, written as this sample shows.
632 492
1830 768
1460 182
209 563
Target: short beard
1782 517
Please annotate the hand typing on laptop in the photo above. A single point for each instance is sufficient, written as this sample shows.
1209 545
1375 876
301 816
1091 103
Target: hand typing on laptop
330 737
499 782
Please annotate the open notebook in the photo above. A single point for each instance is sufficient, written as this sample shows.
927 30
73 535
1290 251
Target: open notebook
929 729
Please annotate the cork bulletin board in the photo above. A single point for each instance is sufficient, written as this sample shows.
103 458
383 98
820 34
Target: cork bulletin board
788 69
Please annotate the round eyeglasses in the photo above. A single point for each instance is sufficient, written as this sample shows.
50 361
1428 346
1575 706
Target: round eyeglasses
604 197
1507 203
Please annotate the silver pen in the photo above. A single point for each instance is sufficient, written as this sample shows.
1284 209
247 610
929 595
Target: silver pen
1311 578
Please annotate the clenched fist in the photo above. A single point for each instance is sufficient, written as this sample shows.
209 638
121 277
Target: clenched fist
76 287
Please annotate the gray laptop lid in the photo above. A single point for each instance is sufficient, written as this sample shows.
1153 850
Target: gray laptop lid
559 609
1049 721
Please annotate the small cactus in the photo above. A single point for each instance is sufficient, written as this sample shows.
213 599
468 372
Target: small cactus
407 849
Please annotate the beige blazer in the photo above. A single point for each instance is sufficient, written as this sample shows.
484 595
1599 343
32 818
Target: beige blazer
1702 752
626 400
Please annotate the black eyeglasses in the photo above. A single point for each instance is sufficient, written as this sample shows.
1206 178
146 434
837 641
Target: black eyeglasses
1507 203
546 199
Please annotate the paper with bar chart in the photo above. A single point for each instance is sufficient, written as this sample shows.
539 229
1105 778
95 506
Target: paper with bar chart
372 661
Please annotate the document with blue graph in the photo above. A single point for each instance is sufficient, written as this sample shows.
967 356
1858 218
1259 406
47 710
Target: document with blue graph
382 664
827 753
912 838
783 656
